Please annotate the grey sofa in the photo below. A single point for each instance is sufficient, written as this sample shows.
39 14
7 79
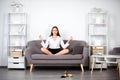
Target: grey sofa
78 54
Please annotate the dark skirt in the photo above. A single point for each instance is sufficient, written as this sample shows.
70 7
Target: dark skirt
54 51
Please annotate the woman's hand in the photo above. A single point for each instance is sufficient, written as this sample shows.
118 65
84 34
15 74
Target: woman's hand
70 39
40 37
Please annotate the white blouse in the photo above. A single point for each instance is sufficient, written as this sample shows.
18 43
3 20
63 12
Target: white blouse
54 44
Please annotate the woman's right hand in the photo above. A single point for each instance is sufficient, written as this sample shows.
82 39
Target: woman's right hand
70 39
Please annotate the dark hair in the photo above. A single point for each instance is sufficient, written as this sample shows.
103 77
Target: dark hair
58 34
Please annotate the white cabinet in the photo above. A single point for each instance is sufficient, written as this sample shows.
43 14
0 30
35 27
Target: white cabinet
17 36
97 33
16 62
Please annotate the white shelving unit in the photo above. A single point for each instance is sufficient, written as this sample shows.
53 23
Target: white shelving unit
98 35
17 37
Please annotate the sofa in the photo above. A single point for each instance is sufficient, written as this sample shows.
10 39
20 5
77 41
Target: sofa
79 54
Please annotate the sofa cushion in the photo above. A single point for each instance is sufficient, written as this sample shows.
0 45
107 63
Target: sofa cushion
56 57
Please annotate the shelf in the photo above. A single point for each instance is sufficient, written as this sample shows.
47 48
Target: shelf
102 13
16 46
98 45
97 23
17 13
114 62
18 24
17 35
97 34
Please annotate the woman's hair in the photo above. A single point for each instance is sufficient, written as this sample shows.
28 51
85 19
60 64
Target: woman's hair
58 34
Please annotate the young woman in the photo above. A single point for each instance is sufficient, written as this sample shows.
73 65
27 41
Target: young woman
53 43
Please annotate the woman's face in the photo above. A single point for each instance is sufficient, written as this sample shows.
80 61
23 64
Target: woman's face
54 31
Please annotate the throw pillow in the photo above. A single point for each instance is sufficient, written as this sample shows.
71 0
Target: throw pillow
77 50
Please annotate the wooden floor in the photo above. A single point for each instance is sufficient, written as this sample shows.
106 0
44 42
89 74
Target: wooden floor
47 73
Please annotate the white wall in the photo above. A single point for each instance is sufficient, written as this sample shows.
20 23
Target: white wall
69 15
3 32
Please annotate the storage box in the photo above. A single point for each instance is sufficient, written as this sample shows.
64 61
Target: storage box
97 50
16 54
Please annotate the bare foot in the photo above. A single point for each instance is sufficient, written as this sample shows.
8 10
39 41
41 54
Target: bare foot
56 54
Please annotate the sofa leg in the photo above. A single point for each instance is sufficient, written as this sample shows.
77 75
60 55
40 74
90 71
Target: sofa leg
31 67
81 65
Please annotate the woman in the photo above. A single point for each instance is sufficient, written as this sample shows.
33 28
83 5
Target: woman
53 43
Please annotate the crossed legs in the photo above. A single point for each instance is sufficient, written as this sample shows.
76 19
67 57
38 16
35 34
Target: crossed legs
46 51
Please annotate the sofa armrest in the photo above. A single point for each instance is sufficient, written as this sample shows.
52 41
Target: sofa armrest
28 52
85 59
